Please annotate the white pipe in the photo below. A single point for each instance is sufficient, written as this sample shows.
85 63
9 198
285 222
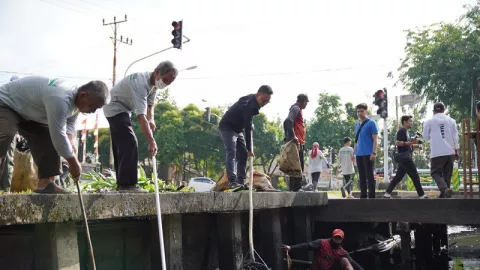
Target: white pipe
385 152
159 213
250 218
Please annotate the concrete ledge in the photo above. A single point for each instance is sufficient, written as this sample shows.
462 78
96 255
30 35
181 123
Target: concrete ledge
431 211
39 208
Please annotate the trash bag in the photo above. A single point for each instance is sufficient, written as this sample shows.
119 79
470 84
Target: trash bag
261 181
222 183
24 173
289 160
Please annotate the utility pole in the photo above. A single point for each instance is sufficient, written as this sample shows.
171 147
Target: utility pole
115 24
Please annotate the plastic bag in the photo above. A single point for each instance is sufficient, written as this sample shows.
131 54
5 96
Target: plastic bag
24 173
289 160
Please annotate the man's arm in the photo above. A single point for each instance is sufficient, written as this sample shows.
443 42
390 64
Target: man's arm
426 131
71 133
312 245
288 123
375 142
248 120
150 103
57 111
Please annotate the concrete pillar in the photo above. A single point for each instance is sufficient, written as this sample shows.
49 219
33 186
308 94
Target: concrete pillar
271 238
405 245
56 246
302 226
229 231
172 235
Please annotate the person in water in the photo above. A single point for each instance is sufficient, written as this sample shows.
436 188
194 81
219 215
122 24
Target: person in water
329 253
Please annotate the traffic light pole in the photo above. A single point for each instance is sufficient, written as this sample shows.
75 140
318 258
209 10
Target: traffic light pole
385 151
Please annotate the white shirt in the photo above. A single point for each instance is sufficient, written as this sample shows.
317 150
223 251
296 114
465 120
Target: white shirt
46 101
345 156
132 94
315 164
441 131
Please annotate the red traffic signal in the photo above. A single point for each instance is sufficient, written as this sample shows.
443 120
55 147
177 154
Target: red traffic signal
177 34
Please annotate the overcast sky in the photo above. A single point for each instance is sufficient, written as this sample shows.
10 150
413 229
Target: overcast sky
345 47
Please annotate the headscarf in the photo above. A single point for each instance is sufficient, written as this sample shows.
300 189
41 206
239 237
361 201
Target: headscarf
315 148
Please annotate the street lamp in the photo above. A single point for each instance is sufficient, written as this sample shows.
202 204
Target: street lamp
189 68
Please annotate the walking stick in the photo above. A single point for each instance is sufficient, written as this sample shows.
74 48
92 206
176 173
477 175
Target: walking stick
87 231
159 213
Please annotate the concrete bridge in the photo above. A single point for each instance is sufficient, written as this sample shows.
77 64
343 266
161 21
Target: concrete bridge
201 230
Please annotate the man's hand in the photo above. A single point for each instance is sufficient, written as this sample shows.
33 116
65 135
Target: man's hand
152 148
75 168
373 157
286 247
295 139
414 141
152 125
251 154
74 149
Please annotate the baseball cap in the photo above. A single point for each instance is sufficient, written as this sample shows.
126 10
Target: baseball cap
438 107
338 232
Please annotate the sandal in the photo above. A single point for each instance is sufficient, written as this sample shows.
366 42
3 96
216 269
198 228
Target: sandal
52 188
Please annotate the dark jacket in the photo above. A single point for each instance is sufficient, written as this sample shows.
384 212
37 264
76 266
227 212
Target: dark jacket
239 117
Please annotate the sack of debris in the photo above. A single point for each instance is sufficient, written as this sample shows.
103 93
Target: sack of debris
261 182
24 173
289 160
222 183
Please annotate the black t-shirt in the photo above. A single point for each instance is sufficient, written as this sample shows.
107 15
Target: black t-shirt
402 135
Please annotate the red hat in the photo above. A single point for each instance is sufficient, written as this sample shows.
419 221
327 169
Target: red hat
338 232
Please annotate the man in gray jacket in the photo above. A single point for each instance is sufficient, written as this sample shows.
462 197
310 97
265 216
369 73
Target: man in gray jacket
44 112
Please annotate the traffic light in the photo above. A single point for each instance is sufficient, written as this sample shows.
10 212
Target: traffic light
382 103
177 34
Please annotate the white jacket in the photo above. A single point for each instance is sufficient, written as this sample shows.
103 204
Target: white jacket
441 131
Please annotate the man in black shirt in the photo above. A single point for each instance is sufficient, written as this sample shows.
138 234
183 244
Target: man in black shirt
236 131
404 159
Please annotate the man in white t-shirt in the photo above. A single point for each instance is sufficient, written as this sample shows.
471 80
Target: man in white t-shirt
134 93
346 160
441 131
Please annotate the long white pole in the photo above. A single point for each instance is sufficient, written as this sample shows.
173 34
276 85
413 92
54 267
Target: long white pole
159 213
385 151
250 199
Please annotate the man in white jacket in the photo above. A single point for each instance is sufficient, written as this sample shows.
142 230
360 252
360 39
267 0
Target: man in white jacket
441 131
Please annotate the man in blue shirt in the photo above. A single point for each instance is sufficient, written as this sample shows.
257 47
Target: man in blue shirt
236 131
366 135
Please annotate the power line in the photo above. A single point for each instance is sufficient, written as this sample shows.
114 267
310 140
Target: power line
64 7
67 77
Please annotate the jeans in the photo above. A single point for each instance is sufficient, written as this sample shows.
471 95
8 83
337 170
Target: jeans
125 150
315 177
235 150
366 177
406 167
295 183
348 180
441 170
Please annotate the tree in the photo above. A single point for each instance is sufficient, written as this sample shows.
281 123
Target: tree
330 124
267 141
442 62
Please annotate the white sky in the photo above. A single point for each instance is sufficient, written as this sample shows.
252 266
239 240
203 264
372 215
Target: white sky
346 47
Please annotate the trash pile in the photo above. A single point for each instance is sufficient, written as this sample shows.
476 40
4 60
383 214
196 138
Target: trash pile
261 182
289 160
25 171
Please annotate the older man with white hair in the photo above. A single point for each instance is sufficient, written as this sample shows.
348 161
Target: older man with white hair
134 93
44 111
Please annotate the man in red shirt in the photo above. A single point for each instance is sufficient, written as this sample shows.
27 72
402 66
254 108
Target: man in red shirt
329 254
294 128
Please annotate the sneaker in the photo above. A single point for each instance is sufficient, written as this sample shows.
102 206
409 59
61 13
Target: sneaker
235 185
387 196
350 196
52 188
344 194
131 189
423 197
448 193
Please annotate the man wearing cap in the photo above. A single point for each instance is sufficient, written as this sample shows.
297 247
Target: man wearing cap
236 131
441 131
329 253
294 128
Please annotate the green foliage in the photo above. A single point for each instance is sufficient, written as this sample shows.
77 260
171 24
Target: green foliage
101 183
442 62
268 138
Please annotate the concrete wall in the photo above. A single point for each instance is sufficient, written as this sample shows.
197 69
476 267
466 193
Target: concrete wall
209 231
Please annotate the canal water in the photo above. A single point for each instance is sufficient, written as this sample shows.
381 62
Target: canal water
464 251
